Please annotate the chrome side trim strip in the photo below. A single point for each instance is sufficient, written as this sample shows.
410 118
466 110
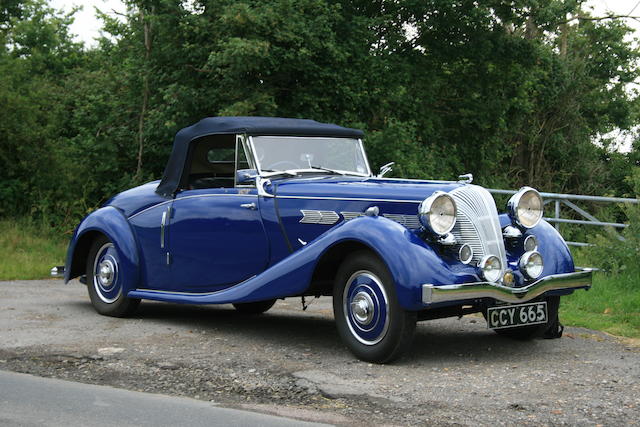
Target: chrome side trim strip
319 217
352 199
565 281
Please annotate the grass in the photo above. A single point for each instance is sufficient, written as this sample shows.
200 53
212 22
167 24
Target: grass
28 250
612 305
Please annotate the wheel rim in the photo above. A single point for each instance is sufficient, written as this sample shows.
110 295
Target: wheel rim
366 307
105 274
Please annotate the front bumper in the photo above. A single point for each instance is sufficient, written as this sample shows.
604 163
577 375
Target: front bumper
432 294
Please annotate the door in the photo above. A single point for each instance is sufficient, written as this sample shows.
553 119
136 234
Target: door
216 239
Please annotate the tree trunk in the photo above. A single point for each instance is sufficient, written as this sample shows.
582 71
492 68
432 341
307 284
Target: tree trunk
145 89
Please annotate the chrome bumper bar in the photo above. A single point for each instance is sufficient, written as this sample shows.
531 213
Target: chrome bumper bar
566 281
57 271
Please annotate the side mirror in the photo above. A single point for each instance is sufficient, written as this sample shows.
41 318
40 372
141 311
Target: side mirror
386 169
246 176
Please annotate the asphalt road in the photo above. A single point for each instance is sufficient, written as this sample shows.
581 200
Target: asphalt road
291 363
26 400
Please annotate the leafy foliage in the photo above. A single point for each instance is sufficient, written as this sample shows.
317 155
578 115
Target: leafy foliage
616 255
513 92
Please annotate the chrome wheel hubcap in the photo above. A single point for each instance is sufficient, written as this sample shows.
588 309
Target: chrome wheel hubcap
366 307
362 308
105 274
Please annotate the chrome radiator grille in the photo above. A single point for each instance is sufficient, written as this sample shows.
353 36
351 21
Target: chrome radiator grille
477 222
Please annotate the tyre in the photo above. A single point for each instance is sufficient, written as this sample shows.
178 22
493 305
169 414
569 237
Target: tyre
369 318
257 307
104 281
524 333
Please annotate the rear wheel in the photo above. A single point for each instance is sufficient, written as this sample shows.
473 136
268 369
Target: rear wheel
104 281
368 316
257 307
524 333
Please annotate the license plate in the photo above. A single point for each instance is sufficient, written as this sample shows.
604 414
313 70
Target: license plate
509 316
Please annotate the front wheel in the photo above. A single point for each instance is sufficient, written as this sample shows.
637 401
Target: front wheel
104 281
368 316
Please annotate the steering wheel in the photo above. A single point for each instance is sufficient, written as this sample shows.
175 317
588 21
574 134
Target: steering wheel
280 165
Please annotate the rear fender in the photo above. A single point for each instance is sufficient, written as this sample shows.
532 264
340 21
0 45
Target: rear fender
110 222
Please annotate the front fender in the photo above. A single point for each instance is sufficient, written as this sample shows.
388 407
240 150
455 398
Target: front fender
112 223
554 250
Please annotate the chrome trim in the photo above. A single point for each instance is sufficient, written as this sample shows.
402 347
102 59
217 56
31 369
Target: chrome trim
511 232
524 259
385 169
381 304
467 260
362 308
424 212
483 263
318 217
352 199
477 223
530 238
467 178
359 141
409 221
447 240
514 201
372 211
351 215
432 294
163 223
98 277
57 271
427 181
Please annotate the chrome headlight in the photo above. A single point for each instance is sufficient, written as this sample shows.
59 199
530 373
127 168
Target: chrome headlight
491 268
531 264
530 243
437 213
525 207
465 253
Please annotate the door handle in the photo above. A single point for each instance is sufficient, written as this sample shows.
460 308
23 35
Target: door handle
162 225
251 206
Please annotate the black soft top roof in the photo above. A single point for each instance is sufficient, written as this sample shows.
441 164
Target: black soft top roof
240 125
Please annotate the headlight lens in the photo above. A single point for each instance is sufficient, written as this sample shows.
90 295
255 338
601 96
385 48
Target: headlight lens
530 243
465 253
437 213
526 207
491 268
531 264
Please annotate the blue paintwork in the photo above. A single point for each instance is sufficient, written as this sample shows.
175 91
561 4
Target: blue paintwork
292 275
222 253
214 242
110 222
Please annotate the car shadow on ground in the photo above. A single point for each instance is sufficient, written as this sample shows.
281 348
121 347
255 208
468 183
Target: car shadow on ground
439 341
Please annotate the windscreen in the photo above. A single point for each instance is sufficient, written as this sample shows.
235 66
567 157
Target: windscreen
279 153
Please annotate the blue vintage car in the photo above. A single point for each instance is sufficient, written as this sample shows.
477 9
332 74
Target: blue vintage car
254 209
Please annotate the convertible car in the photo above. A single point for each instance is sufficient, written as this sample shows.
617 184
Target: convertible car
254 209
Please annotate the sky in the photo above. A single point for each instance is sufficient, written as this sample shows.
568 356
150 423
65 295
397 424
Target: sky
87 27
